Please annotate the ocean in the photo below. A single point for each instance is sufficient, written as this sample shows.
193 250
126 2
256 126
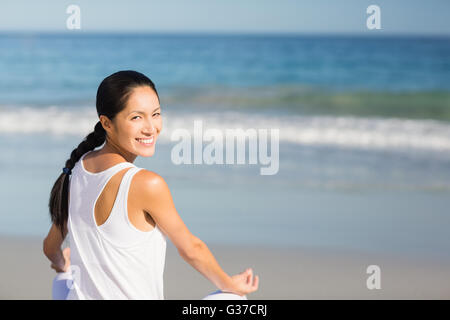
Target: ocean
364 132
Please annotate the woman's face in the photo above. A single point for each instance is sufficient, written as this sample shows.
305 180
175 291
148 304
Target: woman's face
137 127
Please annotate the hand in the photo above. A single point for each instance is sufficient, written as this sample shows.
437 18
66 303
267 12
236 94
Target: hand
243 283
64 263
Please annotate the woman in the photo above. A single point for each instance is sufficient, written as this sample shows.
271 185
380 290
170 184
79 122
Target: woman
119 215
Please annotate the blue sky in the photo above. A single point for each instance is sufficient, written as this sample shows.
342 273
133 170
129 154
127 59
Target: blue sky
229 16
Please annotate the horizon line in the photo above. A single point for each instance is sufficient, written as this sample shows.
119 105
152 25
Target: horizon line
367 33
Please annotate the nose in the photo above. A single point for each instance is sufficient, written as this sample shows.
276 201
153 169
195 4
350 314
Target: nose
150 128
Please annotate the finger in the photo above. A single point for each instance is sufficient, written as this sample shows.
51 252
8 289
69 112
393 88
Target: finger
66 252
67 265
249 276
243 275
256 282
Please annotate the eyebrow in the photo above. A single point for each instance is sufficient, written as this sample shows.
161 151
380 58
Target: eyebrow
142 112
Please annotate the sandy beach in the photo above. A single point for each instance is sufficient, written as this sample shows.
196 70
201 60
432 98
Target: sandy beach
300 273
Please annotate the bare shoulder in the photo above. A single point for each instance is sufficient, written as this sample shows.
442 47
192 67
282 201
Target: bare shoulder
150 183
153 196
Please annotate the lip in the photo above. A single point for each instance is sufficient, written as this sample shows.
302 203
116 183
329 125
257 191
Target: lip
146 144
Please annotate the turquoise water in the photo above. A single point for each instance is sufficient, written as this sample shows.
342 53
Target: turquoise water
392 76
364 157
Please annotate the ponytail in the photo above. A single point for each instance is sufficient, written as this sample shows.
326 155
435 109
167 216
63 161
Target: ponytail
59 200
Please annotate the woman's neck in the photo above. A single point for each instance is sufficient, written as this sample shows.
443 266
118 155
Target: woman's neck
112 148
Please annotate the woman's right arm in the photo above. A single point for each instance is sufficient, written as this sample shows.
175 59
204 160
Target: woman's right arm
158 202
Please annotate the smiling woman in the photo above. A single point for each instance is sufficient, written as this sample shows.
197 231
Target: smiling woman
148 141
131 126
117 216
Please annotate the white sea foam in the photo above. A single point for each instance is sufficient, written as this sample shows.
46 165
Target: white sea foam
342 131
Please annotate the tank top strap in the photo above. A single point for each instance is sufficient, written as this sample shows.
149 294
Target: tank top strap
102 176
118 167
124 189
105 176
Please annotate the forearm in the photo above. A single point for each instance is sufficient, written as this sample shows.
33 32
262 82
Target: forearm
56 257
52 246
204 262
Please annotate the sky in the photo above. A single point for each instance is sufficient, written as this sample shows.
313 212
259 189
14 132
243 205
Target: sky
430 17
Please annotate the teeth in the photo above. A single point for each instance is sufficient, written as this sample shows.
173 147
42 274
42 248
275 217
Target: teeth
146 140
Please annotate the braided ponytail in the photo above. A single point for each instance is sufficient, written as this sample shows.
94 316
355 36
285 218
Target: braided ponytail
59 200
93 140
112 95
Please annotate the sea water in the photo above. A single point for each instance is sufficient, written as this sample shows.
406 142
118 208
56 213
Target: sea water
364 154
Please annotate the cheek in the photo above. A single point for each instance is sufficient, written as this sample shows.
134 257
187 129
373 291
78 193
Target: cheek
128 132
159 124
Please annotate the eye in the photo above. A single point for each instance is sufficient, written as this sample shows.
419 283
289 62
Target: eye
156 114
135 117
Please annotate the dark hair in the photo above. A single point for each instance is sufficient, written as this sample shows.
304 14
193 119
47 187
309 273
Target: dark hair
112 96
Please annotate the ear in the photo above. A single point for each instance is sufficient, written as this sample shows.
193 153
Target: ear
106 123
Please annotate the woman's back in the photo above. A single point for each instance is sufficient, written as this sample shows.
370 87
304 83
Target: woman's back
110 257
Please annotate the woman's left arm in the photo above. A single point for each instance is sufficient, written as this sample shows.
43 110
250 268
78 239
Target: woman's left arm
52 249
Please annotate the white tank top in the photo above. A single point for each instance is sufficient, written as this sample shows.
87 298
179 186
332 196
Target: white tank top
114 260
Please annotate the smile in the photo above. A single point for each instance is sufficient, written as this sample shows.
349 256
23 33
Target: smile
146 142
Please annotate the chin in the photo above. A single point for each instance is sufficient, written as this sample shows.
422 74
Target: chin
148 153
